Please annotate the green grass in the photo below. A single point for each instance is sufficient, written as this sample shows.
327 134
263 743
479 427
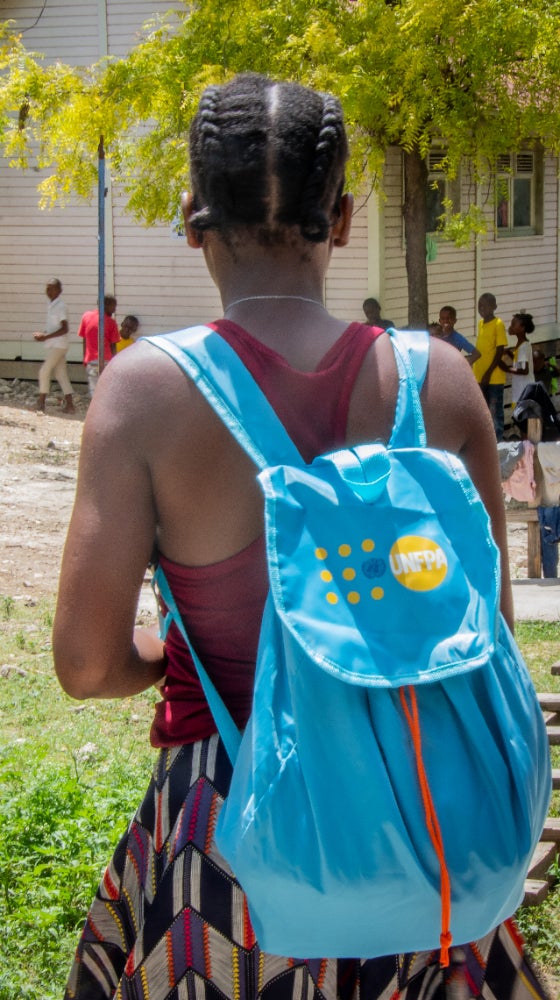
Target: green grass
540 925
71 776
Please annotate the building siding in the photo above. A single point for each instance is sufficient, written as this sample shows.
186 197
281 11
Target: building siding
524 269
347 278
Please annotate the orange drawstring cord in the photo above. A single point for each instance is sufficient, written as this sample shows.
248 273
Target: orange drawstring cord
413 719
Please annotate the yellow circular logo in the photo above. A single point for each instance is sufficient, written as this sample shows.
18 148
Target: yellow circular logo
418 563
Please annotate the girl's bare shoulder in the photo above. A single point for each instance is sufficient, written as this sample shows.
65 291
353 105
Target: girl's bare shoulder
139 388
454 409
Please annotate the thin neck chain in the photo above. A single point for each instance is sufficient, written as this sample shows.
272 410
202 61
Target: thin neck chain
261 298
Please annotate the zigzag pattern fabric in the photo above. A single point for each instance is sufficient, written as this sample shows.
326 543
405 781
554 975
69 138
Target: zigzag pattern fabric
170 922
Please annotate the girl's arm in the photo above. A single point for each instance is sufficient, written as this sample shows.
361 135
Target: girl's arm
97 654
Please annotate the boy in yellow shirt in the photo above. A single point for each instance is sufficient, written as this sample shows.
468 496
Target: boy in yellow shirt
128 332
491 341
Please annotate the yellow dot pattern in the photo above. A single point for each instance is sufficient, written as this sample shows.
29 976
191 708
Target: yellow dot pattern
348 573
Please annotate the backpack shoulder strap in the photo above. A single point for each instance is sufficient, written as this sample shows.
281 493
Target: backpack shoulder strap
231 390
233 393
411 348
229 733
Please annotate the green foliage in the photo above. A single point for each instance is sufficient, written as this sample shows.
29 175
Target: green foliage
8 605
461 227
539 642
71 776
479 75
60 824
540 928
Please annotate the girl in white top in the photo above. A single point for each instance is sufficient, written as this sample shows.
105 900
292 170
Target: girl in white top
521 369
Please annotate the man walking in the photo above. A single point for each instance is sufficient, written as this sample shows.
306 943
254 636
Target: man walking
55 338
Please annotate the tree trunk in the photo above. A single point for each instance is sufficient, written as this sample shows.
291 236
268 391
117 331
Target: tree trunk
415 225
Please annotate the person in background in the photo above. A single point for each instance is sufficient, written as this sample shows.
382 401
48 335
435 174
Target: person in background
169 920
490 342
519 362
435 330
372 311
447 319
55 338
128 332
545 371
89 331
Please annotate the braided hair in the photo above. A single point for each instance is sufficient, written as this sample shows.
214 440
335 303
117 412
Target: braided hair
267 155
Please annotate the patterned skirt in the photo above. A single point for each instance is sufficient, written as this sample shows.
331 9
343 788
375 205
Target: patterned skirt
170 922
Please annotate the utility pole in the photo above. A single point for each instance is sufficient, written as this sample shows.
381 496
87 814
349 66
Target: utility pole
101 252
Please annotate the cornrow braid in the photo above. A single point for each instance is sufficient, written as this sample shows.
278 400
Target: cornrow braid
269 156
208 149
315 221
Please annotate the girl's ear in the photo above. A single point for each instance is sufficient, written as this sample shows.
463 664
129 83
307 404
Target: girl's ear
343 225
194 238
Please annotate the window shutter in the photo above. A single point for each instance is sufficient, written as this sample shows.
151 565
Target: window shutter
524 163
435 157
503 163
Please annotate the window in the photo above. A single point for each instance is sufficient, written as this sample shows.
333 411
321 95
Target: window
440 189
519 194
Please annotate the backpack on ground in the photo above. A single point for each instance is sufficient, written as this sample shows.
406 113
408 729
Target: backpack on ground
393 779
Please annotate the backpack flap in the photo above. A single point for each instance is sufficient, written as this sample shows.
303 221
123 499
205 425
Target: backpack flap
374 549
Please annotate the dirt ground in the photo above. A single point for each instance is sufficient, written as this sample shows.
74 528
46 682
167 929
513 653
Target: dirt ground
38 469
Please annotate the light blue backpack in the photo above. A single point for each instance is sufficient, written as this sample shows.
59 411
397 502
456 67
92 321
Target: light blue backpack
393 779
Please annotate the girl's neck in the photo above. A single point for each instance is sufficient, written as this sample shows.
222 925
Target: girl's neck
298 329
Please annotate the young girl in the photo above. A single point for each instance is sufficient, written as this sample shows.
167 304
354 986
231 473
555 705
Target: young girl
267 209
521 367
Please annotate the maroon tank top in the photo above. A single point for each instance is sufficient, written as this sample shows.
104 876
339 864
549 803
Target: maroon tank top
222 604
